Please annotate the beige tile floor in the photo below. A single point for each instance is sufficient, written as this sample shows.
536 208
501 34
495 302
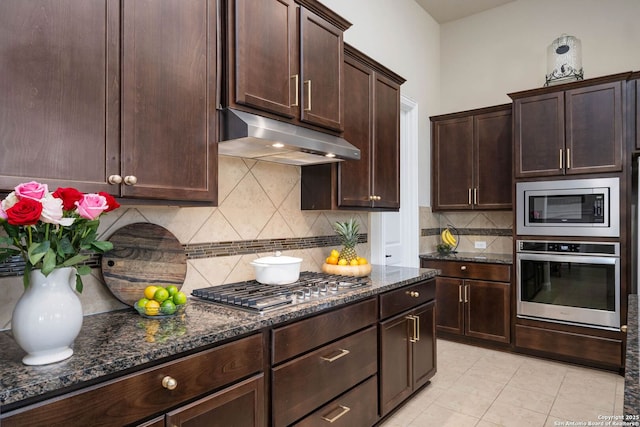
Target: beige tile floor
484 388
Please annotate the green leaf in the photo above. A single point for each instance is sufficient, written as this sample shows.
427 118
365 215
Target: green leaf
37 250
65 247
102 246
79 284
49 262
6 253
74 260
83 270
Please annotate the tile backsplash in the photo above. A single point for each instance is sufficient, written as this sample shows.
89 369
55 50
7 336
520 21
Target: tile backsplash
258 212
495 228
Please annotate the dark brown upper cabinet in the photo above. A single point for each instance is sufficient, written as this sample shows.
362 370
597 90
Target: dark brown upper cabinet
472 159
372 123
284 58
99 96
634 100
574 128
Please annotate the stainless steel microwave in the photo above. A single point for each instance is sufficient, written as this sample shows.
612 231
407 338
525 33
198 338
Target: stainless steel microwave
577 207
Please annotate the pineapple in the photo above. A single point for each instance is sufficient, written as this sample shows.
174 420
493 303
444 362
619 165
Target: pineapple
348 232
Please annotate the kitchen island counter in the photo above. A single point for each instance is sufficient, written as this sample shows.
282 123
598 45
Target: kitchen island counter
115 343
470 257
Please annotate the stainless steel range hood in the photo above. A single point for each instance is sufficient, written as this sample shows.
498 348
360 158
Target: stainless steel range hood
251 136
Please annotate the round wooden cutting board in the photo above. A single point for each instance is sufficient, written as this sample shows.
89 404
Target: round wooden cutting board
143 254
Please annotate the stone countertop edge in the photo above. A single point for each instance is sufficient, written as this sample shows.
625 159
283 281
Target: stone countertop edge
488 258
119 342
632 368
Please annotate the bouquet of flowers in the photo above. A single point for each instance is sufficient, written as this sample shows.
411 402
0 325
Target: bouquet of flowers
53 230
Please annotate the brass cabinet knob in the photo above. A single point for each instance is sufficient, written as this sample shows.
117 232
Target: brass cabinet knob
169 383
414 294
130 180
115 179
623 328
464 267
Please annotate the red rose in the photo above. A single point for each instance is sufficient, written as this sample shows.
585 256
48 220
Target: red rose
25 212
69 197
110 201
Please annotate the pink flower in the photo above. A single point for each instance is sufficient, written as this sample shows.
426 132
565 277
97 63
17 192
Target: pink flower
52 211
92 205
3 214
32 190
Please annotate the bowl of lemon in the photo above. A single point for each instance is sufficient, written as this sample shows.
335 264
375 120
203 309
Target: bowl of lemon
159 301
337 263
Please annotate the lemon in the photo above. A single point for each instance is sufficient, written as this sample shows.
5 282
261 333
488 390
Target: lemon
335 253
362 261
149 291
342 261
152 308
353 262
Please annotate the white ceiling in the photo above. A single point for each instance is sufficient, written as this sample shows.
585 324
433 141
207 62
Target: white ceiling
450 10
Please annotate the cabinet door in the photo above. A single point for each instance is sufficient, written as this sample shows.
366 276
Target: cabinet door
594 129
386 145
168 107
423 356
636 92
263 46
59 80
492 144
395 358
452 163
321 56
487 313
539 135
241 405
449 310
355 175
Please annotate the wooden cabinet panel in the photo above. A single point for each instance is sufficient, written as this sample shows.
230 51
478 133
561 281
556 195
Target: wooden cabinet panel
487 311
264 47
573 129
395 367
307 382
472 159
471 270
304 335
59 79
321 54
539 135
594 129
493 143
399 300
140 395
450 309
168 110
424 347
241 405
452 163
358 407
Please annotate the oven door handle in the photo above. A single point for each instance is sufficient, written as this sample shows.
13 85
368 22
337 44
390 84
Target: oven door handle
580 259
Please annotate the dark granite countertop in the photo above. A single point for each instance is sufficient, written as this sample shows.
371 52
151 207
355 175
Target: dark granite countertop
632 368
471 257
122 341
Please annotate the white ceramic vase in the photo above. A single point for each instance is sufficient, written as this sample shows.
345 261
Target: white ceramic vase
48 317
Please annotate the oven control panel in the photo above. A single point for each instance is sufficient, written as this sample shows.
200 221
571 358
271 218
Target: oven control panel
586 248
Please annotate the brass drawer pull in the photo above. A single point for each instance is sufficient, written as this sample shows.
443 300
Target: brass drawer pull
308 83
295 103
342 353
169 383
343 410
415 335
413 294
459 293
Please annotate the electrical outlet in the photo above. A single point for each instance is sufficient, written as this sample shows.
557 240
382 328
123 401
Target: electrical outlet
481 244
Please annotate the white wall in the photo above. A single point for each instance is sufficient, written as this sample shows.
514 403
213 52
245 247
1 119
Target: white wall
486 56
402 36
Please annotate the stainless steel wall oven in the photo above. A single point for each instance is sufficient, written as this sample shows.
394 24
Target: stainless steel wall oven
569 282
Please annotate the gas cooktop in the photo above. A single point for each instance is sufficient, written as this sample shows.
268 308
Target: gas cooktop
257 297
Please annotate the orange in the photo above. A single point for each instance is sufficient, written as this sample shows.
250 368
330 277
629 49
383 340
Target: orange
332 260
362 261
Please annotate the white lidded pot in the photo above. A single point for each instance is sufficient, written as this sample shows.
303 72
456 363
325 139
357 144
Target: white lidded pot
277 270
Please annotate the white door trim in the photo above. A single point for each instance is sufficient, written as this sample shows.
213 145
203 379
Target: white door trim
409 210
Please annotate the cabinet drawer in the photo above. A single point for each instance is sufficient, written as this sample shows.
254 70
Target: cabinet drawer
471 270
399 300
299 337
308 382
139 395
355 408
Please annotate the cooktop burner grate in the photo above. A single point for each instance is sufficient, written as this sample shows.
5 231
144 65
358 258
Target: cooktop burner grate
258 297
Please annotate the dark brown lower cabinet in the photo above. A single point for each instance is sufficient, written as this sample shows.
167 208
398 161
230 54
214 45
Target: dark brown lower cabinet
407 343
